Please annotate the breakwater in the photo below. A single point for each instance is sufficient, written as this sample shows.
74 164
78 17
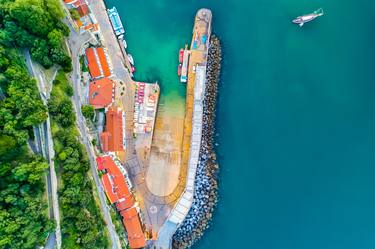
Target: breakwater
205 193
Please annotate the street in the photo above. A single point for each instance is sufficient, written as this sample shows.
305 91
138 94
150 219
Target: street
44 143
76 43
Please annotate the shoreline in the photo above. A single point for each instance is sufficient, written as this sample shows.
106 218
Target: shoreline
206 187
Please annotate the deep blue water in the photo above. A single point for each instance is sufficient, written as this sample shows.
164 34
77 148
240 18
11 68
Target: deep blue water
296 116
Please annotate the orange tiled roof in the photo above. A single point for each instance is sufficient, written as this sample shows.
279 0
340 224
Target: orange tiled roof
114 183
69 1
133 227
93 64
98 64
103 62
112 138
101 92
92 27
107 184
77 3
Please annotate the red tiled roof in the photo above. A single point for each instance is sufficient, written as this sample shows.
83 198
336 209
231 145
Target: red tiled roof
112 138
69 1
78 3
83 10
101 93
133 227
98 64
103 62
107 184
92 27
104 138
114 183
92 63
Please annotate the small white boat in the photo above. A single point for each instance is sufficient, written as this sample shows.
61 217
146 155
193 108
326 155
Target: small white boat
124 42
300 20
130 58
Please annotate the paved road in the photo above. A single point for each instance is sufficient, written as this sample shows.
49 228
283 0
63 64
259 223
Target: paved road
76 43
45 145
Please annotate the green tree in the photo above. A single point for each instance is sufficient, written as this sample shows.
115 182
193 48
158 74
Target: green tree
55 38
74 13
88 111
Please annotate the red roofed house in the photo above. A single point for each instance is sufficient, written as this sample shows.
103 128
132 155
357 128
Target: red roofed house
116 188
133 228
94 28
97 62
101 93
112 139
70 1
83 10
114 184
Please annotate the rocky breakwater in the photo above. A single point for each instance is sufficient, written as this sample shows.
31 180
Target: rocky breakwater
205 195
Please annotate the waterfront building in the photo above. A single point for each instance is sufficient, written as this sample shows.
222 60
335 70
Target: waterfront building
118 193
101 93
83 9
70 3
114 184
134 228
112 139
98 62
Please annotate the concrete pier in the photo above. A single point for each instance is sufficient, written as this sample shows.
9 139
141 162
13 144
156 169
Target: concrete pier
193 125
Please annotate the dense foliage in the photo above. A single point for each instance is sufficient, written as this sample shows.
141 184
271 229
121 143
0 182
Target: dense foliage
35 24
24 219
22 108
88 111
82 225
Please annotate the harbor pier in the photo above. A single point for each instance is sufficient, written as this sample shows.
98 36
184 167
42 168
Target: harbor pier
195 95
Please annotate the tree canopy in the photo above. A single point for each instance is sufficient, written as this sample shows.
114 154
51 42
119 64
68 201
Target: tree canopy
82 224
35 24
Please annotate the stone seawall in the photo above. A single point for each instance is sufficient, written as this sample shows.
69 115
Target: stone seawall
205 193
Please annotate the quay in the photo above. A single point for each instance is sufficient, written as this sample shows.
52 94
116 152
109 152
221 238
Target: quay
148 181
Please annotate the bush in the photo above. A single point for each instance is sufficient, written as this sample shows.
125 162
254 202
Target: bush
88 112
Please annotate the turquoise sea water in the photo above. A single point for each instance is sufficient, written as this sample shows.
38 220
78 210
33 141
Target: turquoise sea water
296 116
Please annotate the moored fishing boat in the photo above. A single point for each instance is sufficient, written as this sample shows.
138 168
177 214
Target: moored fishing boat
181 55
179 69
130 59
301 20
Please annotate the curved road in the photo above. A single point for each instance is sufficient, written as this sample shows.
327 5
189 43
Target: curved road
76 42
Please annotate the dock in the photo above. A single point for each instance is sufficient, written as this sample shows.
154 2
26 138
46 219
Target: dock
192 127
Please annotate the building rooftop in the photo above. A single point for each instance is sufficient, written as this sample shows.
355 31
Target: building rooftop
114 184
113 137
133 227
103 62
69 1
83 10
101 93
97 62
92 27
